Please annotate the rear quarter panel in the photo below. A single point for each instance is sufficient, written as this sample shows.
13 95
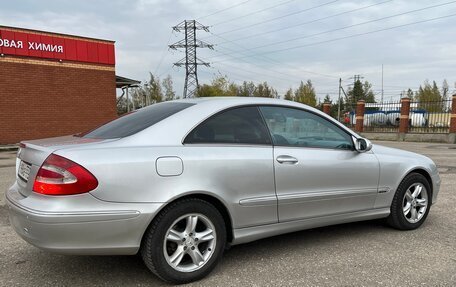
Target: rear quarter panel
229 174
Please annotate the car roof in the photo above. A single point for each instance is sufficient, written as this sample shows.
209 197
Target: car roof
227 102
234 100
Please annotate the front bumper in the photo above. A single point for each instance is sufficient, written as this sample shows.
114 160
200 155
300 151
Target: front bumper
436 182
79 224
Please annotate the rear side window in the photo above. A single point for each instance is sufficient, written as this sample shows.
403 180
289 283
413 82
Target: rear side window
235 126
136 121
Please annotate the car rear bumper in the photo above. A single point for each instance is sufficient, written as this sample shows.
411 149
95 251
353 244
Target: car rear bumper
80 225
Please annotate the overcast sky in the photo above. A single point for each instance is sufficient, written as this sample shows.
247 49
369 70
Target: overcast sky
278 41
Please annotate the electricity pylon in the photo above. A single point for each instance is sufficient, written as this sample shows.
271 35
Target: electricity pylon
191 62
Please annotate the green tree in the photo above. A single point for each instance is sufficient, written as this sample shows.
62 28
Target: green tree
265 91
152 90
409 93
327 99
149 93
220 86
208 91
305 94
167 84
356 92
121 105
429 97
446 96
232 90
369 95
247 89
334 106
289 95
137 98
361 91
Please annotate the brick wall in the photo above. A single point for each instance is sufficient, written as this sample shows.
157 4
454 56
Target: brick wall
44 98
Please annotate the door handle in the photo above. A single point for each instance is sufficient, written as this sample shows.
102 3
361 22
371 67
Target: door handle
286 159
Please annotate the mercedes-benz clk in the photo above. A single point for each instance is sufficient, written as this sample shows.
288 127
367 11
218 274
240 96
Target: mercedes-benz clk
180 181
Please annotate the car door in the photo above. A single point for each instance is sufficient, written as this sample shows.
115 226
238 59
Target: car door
317 170
230 155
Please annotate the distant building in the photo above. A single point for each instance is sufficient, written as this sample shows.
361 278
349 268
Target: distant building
53 84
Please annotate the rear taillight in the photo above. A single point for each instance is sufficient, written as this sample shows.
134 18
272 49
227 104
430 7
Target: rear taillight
61 176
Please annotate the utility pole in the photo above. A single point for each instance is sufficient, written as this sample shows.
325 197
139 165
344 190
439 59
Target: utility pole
191 62
345 94
356 78
381 101
338 109
128 101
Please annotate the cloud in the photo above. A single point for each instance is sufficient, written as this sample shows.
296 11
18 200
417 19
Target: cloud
142 30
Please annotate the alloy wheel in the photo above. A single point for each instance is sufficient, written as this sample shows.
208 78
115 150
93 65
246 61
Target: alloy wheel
415 202
189 242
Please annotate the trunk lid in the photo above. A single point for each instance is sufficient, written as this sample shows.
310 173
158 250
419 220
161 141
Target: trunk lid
33 153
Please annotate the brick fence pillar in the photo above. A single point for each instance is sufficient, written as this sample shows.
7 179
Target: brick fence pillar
404 119
360 106
327 108
453 115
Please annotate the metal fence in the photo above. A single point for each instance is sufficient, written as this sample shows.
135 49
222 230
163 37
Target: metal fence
424 117
382 117
430 117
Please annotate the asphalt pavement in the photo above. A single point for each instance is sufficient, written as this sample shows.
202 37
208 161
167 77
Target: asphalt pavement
357 254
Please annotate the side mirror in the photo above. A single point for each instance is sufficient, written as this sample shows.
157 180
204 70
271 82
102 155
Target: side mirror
362 145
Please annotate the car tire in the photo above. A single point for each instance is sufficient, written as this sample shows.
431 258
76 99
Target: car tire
173 260
410 206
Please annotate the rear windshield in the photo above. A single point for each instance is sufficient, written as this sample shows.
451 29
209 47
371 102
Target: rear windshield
136 121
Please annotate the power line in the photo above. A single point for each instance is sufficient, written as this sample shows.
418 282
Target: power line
279 17
223 10
259 73
240 79
347 37
346 27
305 23
253 13
163 55
218 72
248 74
263 74
165 72
355 25
272 60
407 87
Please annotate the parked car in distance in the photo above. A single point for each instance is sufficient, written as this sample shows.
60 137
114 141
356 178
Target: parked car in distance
181 180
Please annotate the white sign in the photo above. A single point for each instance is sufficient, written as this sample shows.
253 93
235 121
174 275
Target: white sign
31 46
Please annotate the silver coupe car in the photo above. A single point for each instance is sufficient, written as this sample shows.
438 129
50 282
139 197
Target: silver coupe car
180 181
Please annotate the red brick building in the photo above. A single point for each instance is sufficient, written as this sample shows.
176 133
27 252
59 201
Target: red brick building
53 84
